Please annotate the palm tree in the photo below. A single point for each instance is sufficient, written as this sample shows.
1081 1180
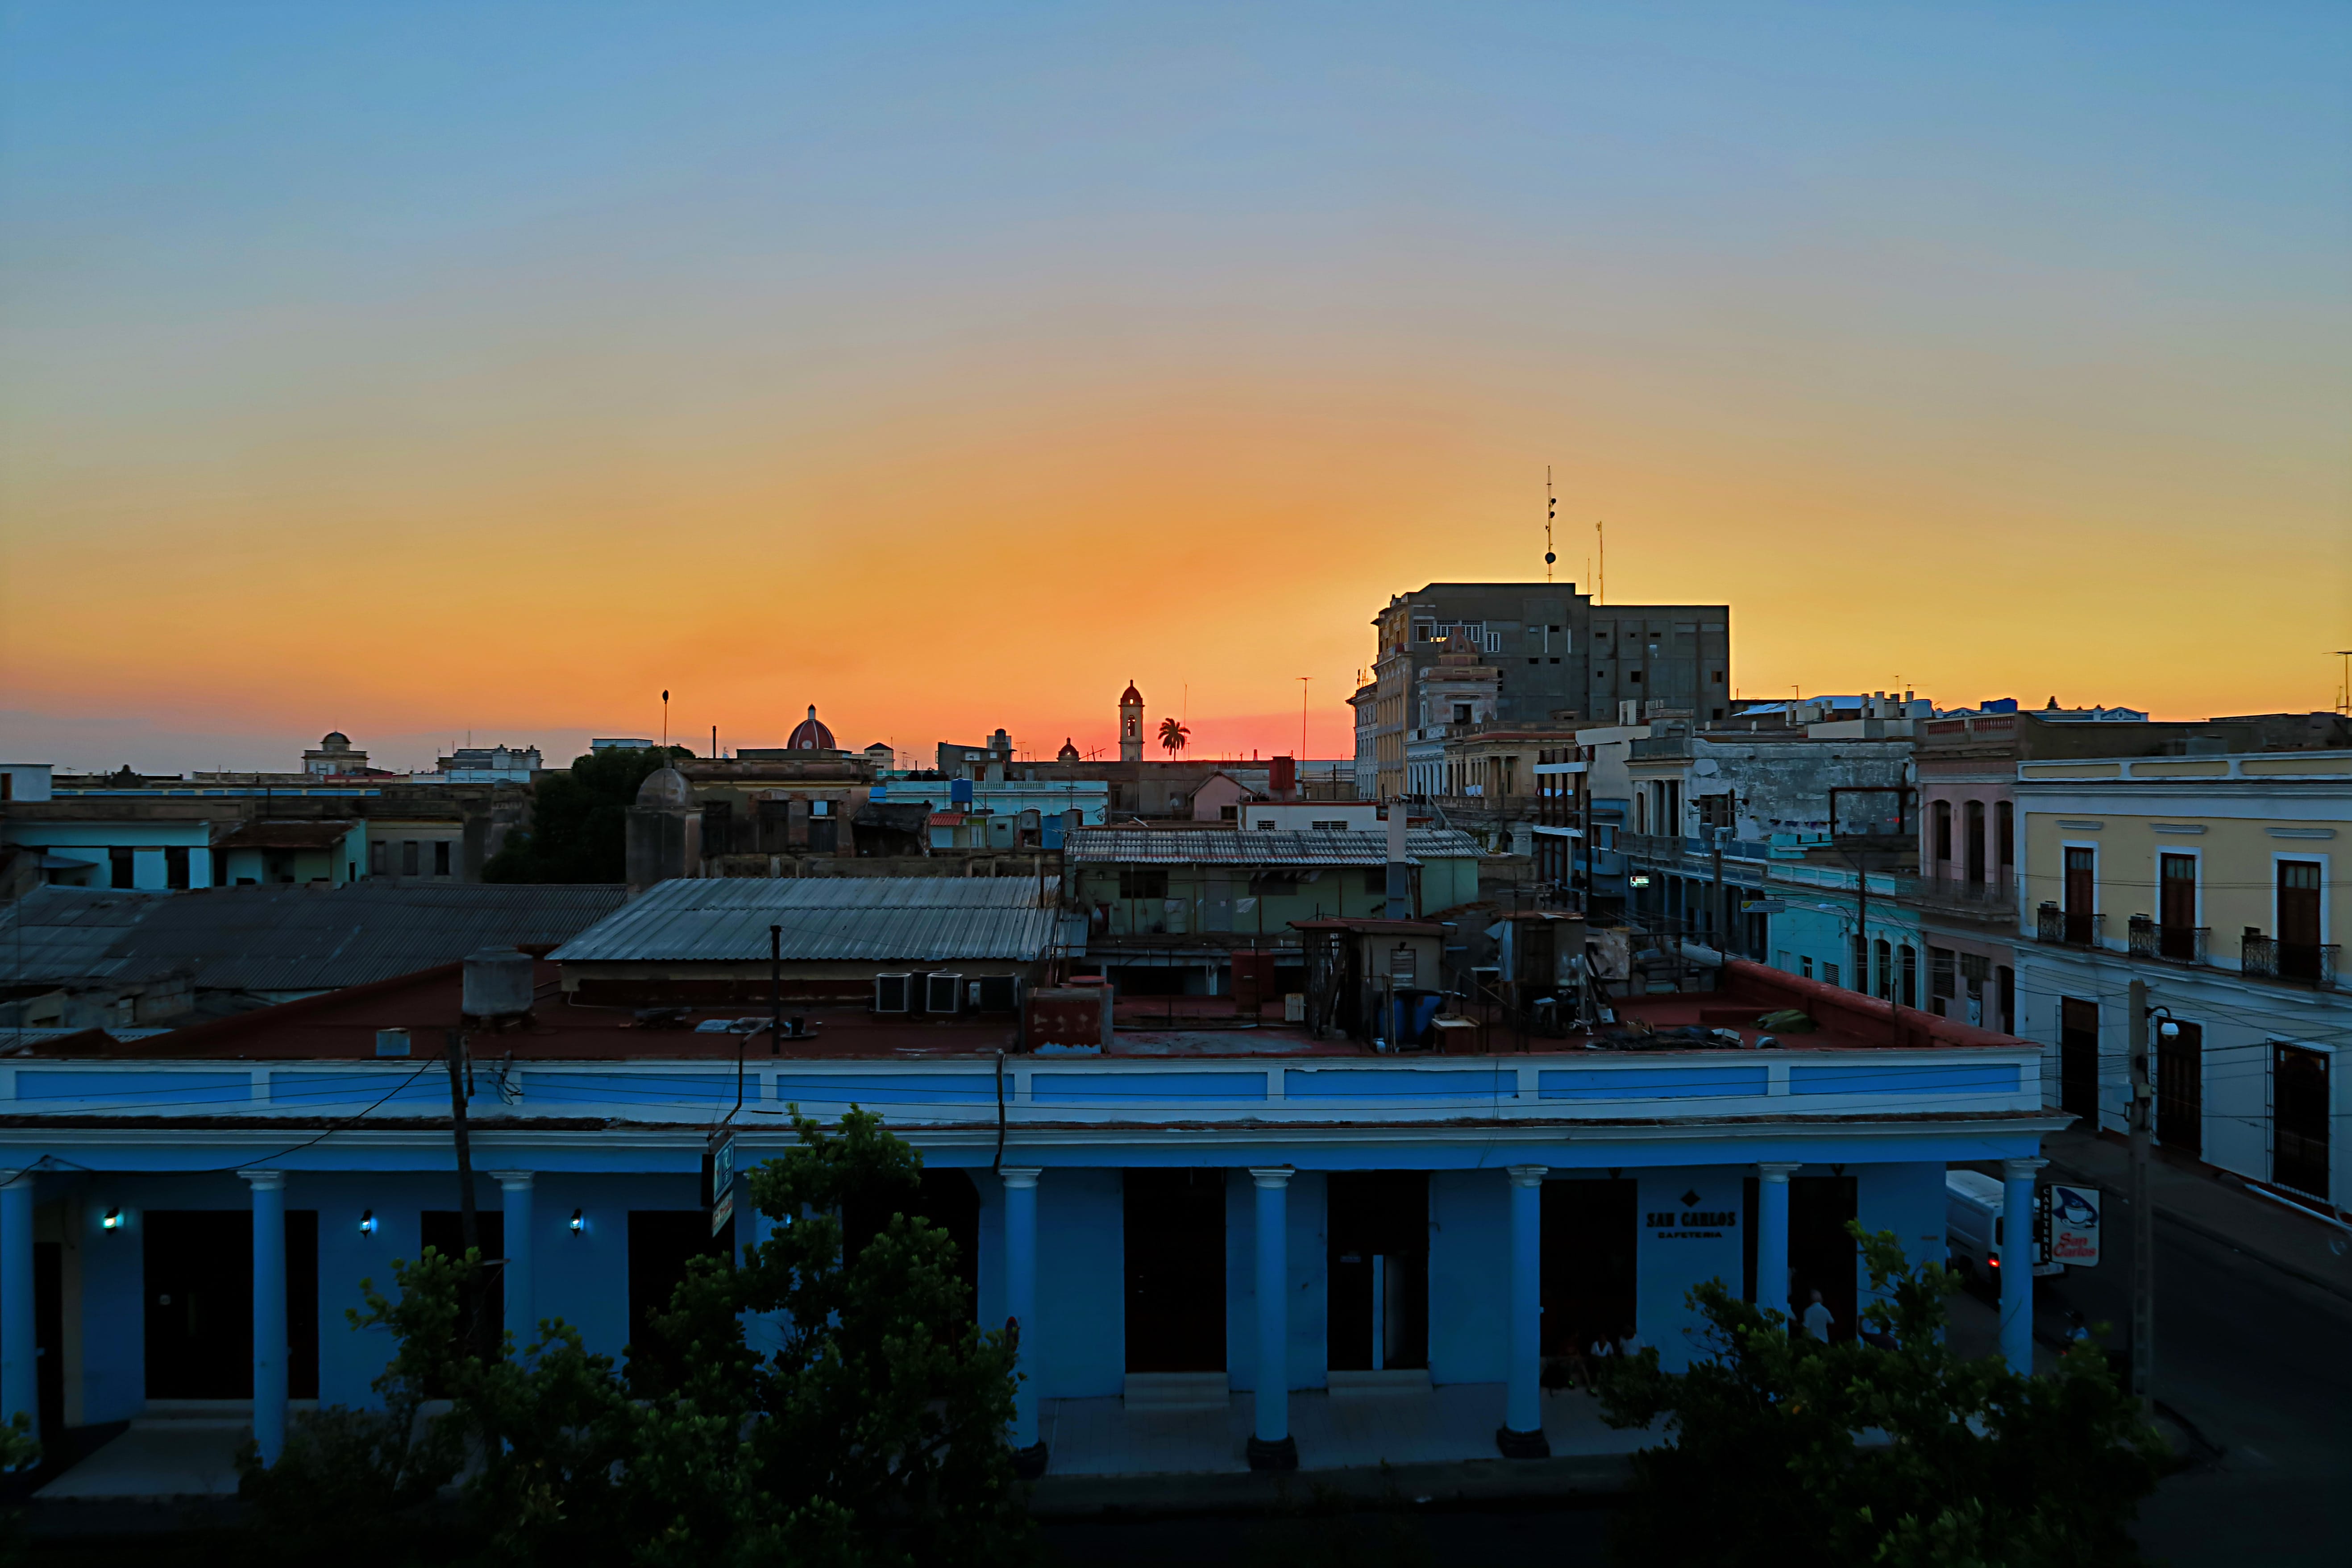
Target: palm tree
1172 736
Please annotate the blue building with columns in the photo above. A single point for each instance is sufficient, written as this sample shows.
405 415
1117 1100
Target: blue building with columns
1225 1216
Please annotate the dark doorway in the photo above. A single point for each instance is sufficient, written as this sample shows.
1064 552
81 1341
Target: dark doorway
1378 1228
948 1200
2180 1089
49 1338
199 1282
1821 1254
2078 1059
2299 1119
444 1230
1175 1241
1590 1240
661 1241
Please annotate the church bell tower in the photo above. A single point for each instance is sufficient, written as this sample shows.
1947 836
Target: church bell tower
1130 725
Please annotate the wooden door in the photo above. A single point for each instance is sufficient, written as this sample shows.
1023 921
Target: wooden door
2078 1059
199 1282
2082 893
2180 1089
1976 842
2175 913
2298 920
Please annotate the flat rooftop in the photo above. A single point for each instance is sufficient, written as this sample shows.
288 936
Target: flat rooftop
343 1025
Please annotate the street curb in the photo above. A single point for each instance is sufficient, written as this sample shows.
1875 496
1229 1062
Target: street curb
1244 1491
2198 1227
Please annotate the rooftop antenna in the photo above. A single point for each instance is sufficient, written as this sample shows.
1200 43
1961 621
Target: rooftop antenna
1552 506
1601 582
2344 689
1302 718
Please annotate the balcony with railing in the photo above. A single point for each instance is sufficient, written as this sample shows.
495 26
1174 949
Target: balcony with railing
2066 928
2303 963
2172 943
1991 897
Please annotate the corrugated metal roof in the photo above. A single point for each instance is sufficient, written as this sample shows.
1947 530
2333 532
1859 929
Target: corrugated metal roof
1145 846
876 919
282 938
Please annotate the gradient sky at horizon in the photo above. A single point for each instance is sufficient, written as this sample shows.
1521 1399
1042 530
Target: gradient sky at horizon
420 369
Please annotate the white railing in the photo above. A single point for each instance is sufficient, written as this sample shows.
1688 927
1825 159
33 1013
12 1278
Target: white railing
1065 1090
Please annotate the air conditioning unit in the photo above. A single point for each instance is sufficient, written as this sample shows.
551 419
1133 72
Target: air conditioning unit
998 993
891 992
942 993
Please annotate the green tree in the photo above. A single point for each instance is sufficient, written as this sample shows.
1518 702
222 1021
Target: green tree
579 819
1895 1454
867 1432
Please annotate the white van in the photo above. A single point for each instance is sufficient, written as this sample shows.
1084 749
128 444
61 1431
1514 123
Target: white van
1974 1226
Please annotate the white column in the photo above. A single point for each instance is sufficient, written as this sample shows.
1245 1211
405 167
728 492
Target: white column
1272 1447
522 1306
1772 1237
269 1347
19 1379
1521 1436
1020 1308
2017 1262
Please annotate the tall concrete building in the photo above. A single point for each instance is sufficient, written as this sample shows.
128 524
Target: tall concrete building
1562 659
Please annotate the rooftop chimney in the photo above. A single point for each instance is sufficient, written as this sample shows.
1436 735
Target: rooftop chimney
1400 904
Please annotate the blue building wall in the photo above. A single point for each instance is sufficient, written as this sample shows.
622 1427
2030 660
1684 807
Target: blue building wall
1908 1199
1469 1256
1079 1338
1081 1283
1673 1259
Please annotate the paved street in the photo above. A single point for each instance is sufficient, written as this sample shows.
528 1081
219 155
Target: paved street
2260 1362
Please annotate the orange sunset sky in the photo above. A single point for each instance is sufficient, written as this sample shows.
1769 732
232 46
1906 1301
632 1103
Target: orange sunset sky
436 371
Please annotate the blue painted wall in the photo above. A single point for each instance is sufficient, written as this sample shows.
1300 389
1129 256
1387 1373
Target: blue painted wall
1907 1199
1671 1262
1081 1284
1469 1258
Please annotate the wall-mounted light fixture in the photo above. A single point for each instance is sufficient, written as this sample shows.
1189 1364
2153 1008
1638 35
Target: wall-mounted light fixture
579 1222
112 1220
367 1222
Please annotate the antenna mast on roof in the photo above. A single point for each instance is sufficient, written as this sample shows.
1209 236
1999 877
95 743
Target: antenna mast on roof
1601 581
2344 689
1552 506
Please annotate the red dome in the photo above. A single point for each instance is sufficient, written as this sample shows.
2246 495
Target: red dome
1128 699
810 734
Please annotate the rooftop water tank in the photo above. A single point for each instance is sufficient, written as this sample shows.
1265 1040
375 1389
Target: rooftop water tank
498 983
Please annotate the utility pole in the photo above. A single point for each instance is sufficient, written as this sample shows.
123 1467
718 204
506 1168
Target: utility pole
468 1230
1722 912
775 997
2143 1100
